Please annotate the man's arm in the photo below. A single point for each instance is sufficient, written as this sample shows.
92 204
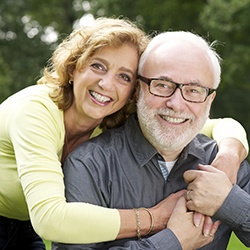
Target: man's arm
212 193
237 218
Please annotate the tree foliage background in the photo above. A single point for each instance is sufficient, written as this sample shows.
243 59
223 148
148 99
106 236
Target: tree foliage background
30 30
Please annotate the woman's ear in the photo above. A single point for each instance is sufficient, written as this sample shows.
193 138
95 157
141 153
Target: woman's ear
71 72
71 75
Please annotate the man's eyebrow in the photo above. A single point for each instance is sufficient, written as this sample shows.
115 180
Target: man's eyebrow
171 80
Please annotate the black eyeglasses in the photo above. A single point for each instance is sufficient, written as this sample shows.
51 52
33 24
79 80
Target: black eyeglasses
191 92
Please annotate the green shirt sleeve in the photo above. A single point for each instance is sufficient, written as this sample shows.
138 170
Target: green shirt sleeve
221 128
34 132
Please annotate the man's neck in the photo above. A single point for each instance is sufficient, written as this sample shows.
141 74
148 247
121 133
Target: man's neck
169 156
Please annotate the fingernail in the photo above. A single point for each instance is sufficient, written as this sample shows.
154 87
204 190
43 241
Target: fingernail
212 232
197 224
206 233
197 220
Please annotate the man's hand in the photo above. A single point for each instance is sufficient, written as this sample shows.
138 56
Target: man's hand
207 189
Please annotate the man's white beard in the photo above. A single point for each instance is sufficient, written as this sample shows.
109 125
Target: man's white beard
162 136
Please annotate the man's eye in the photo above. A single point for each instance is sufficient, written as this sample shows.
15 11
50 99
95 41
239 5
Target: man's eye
161 85
193 91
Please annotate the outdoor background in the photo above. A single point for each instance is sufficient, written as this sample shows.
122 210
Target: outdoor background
30 30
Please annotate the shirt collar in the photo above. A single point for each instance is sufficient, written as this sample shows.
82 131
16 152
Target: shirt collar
194 148
143 151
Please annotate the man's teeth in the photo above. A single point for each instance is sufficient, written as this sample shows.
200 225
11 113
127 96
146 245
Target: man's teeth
173 119
99 97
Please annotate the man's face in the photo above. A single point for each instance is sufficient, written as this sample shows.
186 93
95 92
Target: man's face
171 123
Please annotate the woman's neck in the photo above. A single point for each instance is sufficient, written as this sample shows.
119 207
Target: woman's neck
77 131
71 142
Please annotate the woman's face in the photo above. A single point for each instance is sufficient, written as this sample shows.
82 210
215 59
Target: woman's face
104 85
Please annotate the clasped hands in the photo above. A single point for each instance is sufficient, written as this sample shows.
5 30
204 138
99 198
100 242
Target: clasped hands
207 188
188 212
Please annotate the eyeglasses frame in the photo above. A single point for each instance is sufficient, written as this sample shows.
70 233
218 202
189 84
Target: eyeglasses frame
178 86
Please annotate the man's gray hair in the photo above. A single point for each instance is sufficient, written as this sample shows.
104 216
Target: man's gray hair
170 37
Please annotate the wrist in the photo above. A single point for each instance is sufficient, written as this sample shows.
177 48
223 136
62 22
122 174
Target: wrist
141 217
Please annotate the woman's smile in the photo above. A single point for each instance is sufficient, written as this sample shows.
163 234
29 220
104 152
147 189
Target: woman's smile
99 98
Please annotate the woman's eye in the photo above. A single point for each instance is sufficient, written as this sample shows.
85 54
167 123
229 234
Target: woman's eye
125 77
98 66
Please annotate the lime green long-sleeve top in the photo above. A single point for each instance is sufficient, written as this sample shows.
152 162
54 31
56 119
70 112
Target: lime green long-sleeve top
31 180
218 129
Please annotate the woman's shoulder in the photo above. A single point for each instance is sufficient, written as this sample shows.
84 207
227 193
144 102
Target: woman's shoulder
30 102
29 95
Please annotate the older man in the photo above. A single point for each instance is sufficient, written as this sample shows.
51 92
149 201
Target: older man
144 161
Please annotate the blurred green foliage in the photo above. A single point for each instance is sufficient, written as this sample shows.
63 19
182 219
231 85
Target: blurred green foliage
26 27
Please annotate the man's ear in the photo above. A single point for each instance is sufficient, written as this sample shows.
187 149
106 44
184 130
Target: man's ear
211 99
213 96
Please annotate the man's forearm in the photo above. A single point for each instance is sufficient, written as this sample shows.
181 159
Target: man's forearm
164 240
235 213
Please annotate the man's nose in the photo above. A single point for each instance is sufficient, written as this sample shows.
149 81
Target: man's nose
176 101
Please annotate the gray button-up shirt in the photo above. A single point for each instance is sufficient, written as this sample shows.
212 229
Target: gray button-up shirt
119 169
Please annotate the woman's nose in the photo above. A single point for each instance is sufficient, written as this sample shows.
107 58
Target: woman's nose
107 82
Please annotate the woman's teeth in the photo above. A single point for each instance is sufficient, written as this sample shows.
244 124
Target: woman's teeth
100 98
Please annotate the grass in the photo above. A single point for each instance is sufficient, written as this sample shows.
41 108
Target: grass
47 244
234 244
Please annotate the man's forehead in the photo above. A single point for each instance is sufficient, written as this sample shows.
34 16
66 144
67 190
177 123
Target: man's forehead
183 66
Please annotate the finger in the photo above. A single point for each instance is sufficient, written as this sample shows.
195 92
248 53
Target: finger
208 168
187 195
180 206
215 227
190 206
207 227
190 175
198 218
181 193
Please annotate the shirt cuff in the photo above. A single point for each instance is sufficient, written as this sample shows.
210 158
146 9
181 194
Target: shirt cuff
235 208
165 240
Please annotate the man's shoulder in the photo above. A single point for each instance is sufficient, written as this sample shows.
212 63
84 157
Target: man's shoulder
203 139
204 147
110 140
109 137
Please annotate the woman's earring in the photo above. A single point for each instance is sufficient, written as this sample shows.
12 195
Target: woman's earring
71 82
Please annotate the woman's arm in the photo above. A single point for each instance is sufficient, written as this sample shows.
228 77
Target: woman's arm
37 134
233 145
